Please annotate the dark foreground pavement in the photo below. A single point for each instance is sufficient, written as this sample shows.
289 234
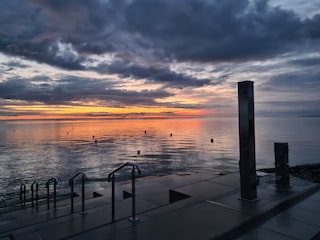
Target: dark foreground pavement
197 206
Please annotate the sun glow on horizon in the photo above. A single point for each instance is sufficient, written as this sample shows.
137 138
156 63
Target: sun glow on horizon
81 112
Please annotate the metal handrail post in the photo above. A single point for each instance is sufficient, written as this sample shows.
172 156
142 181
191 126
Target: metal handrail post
37 194
111 178
133 194
112 199
55 182
32 193
133 179
71 194
83 212
83 195
48 195
22 194
55 195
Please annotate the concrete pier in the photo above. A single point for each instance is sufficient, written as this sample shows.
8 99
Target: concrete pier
198 206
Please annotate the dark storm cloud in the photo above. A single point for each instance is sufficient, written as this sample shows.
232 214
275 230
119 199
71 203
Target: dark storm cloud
312 27
76 89
35 29
298 81
192 30
152 73
46 53
219 30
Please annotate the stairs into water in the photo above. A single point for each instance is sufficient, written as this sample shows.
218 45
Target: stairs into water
153 193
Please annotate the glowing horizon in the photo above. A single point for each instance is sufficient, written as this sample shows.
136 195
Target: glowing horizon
83 112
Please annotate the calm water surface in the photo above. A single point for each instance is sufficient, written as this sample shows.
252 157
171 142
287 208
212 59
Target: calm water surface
38 150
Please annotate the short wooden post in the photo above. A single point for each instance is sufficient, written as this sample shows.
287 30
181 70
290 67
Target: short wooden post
281 151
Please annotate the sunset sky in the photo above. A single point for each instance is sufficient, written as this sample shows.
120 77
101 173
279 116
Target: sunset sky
157 58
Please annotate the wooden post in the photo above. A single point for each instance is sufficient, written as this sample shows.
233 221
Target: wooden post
281 151
247 164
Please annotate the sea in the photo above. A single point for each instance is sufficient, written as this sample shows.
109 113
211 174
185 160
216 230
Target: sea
38 150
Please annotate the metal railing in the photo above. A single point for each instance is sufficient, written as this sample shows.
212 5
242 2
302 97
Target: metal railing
32 193
111 178
55 182
82 194
23 195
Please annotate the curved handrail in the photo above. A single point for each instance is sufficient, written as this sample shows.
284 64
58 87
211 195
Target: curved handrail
122 166
53 179
76 175
111 177
55 182
32 195
83 178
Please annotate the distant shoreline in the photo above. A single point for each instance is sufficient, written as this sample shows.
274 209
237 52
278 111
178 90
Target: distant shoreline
310 116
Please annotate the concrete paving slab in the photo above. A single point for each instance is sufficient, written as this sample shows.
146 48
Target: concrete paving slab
24 217
157 193
265 234
199 221
310 204
157 189
205 190
159 199
170 208
267 200
232 180
316 196
269 196
76 223
107 231
172 181
28 216
303 215
291 228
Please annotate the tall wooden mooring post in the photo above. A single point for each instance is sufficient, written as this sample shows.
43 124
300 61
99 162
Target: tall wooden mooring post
247 163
